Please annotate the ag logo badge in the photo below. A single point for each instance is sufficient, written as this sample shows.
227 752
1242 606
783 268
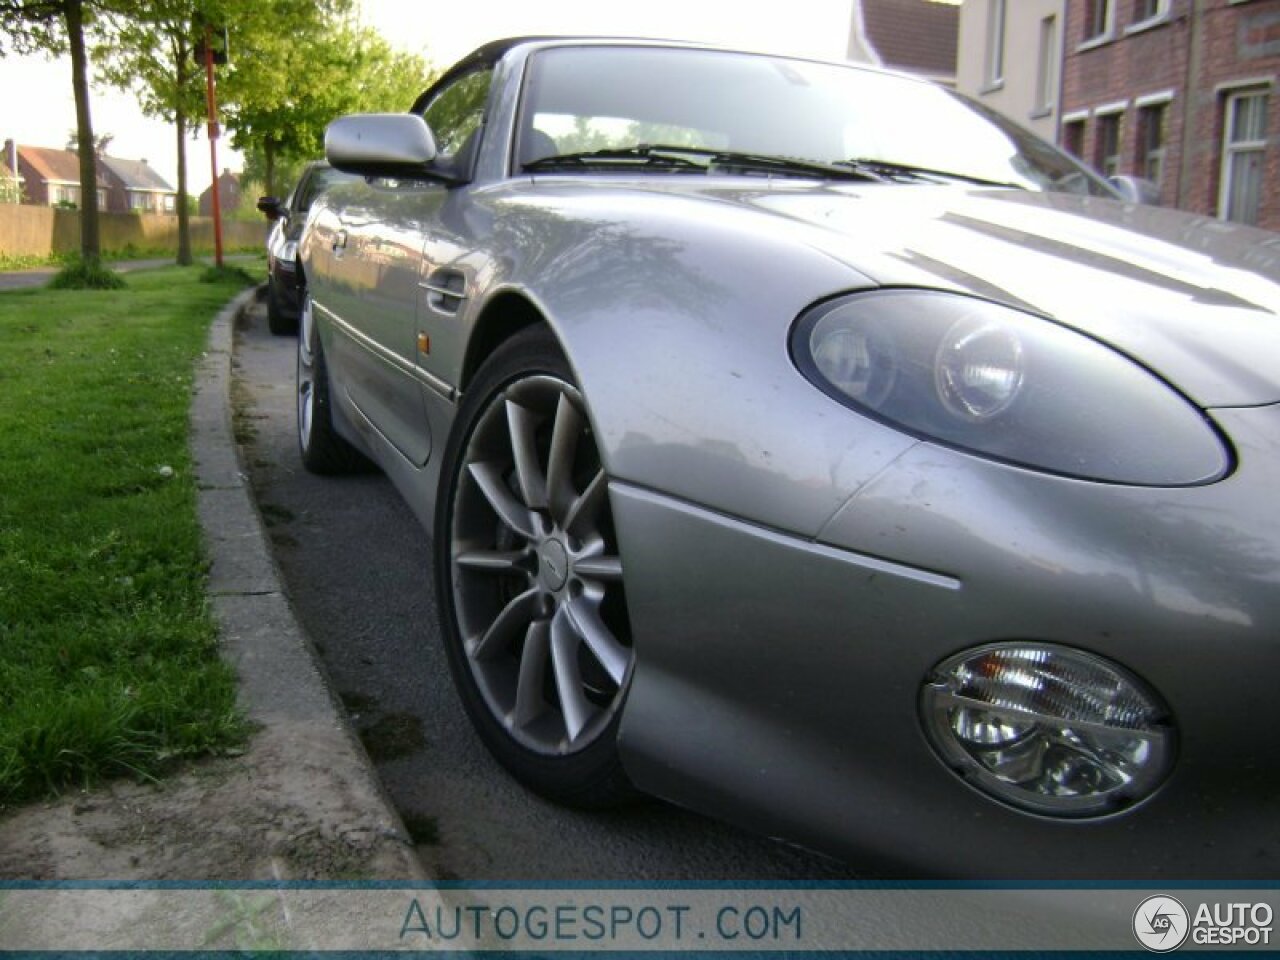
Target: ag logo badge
1161 923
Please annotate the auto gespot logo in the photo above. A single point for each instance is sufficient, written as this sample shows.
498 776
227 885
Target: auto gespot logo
1162 924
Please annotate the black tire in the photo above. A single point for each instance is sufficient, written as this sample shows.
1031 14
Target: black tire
583 770
278 322
323 451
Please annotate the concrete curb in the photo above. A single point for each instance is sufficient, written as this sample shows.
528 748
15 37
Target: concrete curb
304 749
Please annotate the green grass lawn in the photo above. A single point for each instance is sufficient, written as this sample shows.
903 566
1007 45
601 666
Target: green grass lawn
108 657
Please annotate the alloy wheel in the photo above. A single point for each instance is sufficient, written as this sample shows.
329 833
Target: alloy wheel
536 576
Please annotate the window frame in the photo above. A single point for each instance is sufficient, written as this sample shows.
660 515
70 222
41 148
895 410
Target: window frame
1232 149
997 30
1159 15
1072 127
1047 68
1146 154
1106 32
447 162
1110 120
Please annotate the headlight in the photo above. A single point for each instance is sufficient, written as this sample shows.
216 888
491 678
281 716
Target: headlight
289 254
1008 385
1048 729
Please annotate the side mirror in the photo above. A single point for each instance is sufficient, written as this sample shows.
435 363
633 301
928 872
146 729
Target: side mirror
383 145
271 208
1136 190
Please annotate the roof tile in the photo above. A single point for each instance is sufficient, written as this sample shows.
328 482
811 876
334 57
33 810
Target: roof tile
914 35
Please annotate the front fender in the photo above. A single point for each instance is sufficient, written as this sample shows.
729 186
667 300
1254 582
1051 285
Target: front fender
676 322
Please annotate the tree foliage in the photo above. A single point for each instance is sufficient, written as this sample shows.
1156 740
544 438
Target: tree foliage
146 47
31 26
283 89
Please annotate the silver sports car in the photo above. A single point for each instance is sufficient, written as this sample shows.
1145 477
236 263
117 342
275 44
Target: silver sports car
805 444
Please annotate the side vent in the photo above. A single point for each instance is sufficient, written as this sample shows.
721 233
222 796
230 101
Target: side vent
446 289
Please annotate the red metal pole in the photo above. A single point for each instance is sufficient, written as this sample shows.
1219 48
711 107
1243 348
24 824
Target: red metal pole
213 145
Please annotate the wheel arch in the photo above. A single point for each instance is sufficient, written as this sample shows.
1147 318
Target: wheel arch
508 313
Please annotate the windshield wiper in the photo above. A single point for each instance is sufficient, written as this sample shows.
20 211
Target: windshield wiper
673 156
891 169
641 154
786 166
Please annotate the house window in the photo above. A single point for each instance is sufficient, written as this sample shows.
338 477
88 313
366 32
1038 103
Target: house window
139 201
1151 141
1148 13
1106 154
170 203
102 198
1047 72
1073 138
1144 10
995 42
1243 156
1097 19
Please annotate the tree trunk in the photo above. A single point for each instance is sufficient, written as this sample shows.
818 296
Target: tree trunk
90 249
268 150
180 123
184 215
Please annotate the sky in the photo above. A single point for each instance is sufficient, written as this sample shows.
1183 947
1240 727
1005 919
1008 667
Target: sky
38 108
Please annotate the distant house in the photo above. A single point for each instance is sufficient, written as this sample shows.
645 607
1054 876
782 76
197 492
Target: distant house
228 194
51 177
135 187
914 36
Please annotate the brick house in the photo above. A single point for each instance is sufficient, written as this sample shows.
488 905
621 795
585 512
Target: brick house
1180 92
228 194
51 177
135 187
914 36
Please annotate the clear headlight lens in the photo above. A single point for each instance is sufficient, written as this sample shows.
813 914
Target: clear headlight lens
979 369
289 253
1008 385
1048 729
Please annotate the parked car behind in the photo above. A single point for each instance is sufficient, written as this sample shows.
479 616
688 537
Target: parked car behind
807 445
282 242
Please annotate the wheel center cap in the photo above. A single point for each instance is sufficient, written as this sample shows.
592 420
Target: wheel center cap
553 564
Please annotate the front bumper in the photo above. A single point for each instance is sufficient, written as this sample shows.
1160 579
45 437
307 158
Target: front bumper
778 678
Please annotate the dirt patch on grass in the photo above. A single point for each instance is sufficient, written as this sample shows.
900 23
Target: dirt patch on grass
222 819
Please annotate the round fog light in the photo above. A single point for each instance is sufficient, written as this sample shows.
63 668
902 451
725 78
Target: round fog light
1048 729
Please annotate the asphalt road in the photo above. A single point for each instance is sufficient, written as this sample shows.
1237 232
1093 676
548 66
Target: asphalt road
357 568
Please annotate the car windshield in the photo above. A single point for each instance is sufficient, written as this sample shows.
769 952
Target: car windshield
608 98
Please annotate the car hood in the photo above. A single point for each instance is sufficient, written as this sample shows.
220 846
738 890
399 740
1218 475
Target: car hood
1197 300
